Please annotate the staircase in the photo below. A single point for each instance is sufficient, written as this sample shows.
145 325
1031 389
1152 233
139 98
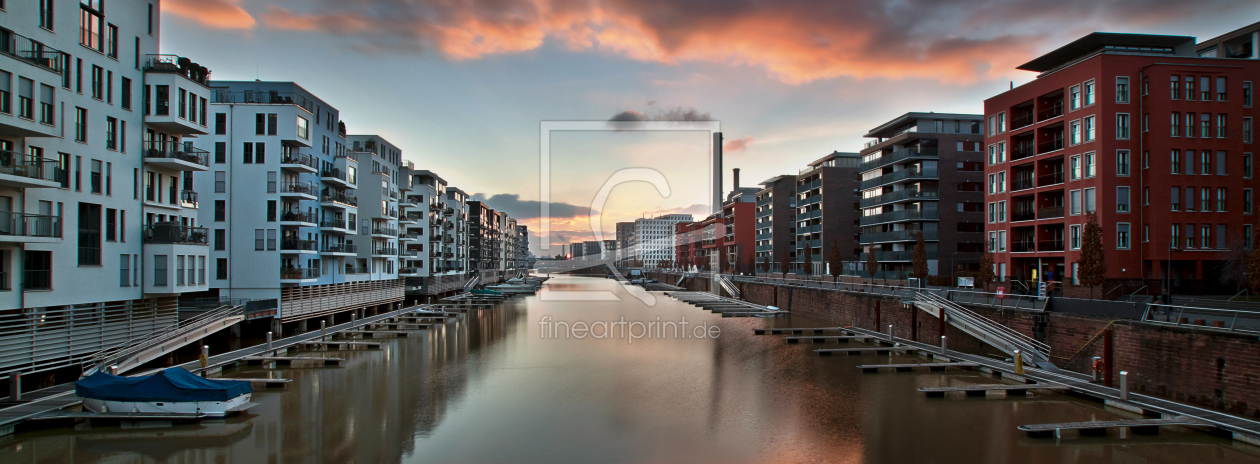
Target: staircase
992 333
472 283
724 281
141 350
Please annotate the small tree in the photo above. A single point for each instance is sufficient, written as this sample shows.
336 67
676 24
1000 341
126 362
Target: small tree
765 263
872 266
1253 267
808 267
836 262
986 275
1093 267
785 265
920 257
752 264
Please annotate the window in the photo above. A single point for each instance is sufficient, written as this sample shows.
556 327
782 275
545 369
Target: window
1089 93
221 268
1074 167
1089 200
26 96
1246 93
1089 129
1122 89
260 153
1175 236
220 152
220 210
124 271
1189 88
98 82
271 239
1174 160
1074 236
95 177
1001 211
1221 125
1220 199
1246 201
1174 123
220 181
1189 198
1075 203
1205 199
271 123
1146 196
111 133
1205 93
111 225
1175 199
1122 199
271 181
1122 126
1001 152
46 14
1247 235
1205 162
1205 125
1122 236
1090 170
1074 133
6 93
260 243
220 239
89 234
1175 93
1220 89
80 125
1220 163
220 124
992 154
1247 165
1189 125
1122 162
992 212
302 130
247 155
1189 162
1074 98
179 270
126 93
159 271
47 106
1246 130
271 210
1190 243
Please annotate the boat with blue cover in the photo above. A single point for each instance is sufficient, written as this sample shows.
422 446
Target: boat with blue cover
172 390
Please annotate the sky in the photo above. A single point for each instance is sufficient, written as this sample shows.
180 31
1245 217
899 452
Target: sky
463 86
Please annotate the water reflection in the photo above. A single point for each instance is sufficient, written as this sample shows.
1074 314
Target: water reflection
489 388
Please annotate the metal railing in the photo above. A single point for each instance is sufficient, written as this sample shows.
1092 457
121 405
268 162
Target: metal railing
1233 320
390 251
176 233
291 244
183 151
897 176
897 236
299 273
305 188
988 331
135 345
335 223
903 215
30 50
179 65
29 166
29 225
377 230
340 197
341 248
898 155
264 97
333 173
298 216
1050 145
300 159
188 198
900 195
1050 179
1053 111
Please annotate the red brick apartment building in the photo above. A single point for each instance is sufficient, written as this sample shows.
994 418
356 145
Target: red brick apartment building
1141 129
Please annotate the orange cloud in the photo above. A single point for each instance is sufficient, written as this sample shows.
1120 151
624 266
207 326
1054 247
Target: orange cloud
795 42
218 14
736 145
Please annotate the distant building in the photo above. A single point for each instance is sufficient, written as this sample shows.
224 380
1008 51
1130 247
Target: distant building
827 210
775 225
653 239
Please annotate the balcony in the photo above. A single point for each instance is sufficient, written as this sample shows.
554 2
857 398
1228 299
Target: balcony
174 232
1023 246
188 199
1023 215
29 228
175 64
1047 180
298 275
335 177
1055 212
1050 245
899 195
886 256
298 190
297 219
897 156
265 97
409 253
175 155
338 199
896 216
384 252
295 246
342 249
1021 121
300 162
408 219
1051 111
1021 150
337 225
383 232
409 272
1048 146
393 213
30 51
898 176
18 170
410 237
448 212
1022 183
897 236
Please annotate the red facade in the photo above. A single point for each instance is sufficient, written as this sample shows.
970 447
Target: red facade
1042 179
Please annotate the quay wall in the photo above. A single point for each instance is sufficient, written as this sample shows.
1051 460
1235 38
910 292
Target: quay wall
1193 364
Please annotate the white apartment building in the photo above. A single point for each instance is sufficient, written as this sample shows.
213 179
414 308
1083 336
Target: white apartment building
280 199
652 240
92 120
379 199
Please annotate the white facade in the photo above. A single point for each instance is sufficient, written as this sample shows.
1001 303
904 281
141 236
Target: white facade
653 239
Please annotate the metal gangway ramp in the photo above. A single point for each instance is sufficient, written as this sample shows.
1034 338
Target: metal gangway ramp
138 351
999 336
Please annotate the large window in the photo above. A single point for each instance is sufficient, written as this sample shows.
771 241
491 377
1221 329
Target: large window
1122 162
1122 236
89 234
1122 126
47 106
1122 89
159 271
80 125
46 10
1122 199
37 270
302 130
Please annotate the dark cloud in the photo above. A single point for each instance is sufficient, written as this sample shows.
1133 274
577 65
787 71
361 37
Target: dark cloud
795 41
673 114
514 206
629 116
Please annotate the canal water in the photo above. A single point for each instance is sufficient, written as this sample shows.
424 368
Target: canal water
498 386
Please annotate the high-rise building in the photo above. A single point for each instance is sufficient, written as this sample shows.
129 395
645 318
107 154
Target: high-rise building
484 241
775 225
1152 135
827 210
624 231
923 173
653 239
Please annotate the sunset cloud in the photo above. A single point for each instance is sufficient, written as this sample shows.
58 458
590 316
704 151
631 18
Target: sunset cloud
736 145
795 42
216 14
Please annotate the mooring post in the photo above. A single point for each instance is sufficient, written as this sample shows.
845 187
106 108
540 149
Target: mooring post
942 344
205 356
1097 368
354 318
890 337
1019 362
268 341
323 330
15 386
113 370
1124 385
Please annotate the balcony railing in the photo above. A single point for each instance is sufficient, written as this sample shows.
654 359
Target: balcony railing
335 223
334 173
384 231
305 188
299 159
1050 179
341 197
37 279
178 65
1023 215
157 149
33 167
1049 146
265 97
898 155
1053 111
299 273
1021 151
392 213
409 270
1027 246
30 51
298 216
1023 120
897 176
292 244
352 269
900 195
29 225
174 232
409 236
188 198
1050 213
905 214
341 248
1021 184
409 253
894 236
1050 245
391 251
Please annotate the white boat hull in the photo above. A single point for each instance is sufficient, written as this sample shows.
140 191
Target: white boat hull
209 408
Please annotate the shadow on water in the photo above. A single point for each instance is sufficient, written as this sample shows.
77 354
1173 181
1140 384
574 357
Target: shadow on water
492 386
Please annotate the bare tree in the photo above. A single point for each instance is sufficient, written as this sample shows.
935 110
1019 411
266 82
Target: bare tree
1093 265
920 257
785 265
986 275
836 262
808 267
872 265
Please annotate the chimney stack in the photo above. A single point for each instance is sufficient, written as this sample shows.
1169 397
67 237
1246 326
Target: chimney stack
735 181
717 172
